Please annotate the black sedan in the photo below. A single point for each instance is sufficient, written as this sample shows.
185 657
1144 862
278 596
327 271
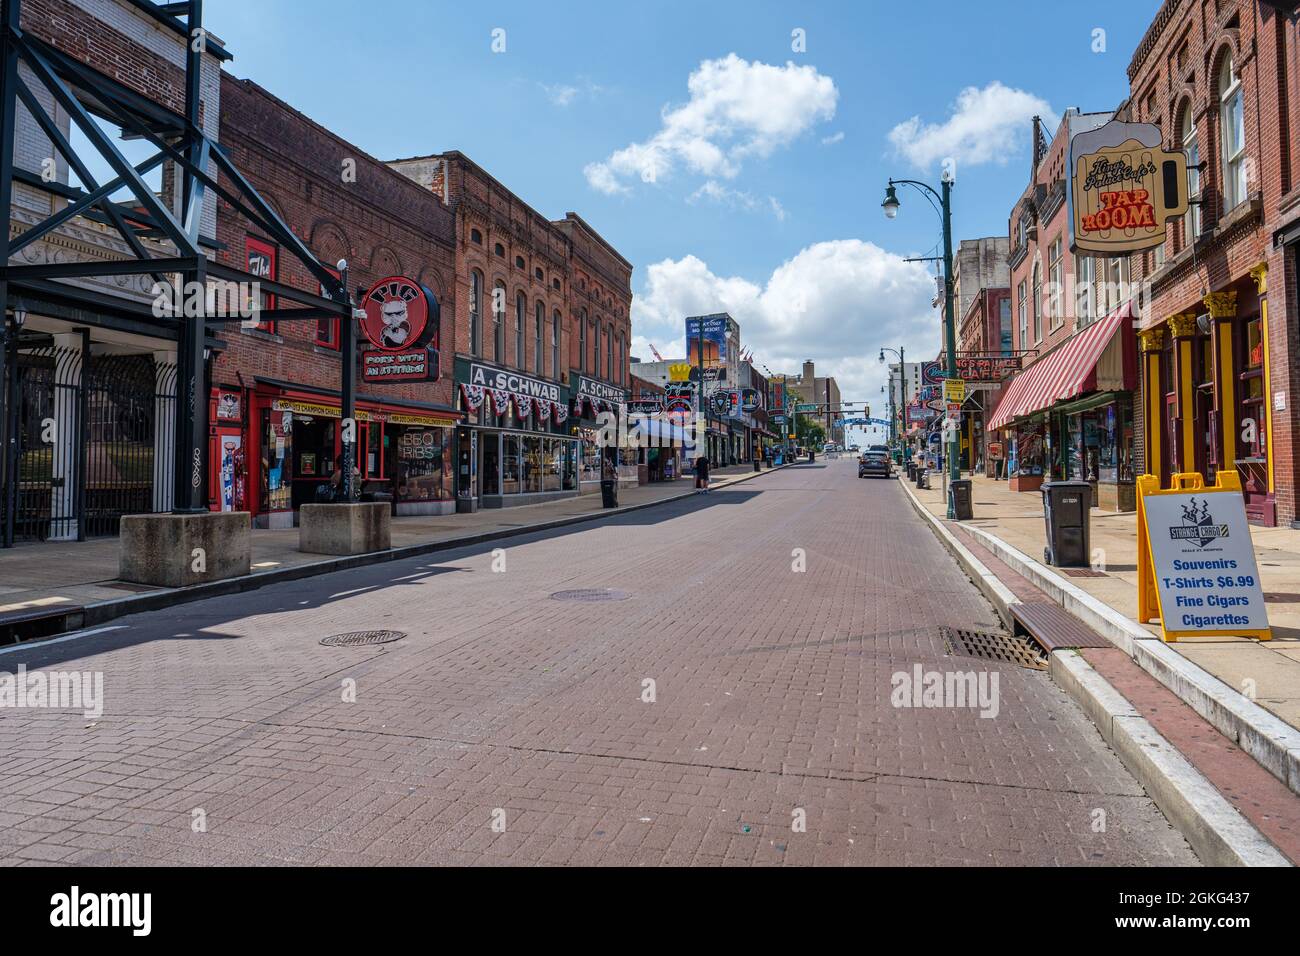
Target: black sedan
875 463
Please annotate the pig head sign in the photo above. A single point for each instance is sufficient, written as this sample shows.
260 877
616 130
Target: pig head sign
401 324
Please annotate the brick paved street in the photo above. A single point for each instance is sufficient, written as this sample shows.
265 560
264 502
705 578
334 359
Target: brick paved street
772 694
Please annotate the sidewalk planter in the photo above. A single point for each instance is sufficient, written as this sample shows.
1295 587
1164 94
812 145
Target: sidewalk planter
176 551
359 528
1026 482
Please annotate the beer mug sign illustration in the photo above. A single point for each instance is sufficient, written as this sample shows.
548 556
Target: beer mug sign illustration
1124 187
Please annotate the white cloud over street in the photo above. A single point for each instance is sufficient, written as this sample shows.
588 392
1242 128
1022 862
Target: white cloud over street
737 110
987 125
834 302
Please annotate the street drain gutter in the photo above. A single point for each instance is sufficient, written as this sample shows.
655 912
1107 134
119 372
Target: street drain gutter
1214 828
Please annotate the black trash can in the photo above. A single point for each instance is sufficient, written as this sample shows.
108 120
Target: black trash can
921 475
960 492
1065 507
609 493
911 470
758 464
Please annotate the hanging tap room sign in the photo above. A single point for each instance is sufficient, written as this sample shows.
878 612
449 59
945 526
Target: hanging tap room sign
1124 187
401 323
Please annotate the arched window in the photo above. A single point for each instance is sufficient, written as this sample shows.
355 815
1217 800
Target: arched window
521 310
500 250
609 355
582 340
539 356
1037 304
555 344
1192 149
1232 140
476 237
475 312
499 322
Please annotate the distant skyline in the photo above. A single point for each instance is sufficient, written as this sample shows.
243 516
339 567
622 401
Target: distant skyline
735 153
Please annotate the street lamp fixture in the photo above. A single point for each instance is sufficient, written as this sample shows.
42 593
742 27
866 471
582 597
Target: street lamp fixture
890 205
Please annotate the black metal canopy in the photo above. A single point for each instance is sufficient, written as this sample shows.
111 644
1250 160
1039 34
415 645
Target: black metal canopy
162 244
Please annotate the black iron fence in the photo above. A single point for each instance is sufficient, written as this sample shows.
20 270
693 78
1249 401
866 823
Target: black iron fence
94 441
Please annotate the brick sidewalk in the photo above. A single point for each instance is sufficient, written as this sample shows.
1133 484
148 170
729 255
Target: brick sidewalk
1274 666
47 574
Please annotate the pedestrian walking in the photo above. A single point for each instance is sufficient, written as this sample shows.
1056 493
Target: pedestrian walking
702 474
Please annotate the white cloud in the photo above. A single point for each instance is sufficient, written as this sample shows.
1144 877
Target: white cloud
559 93
986 125
737 109
716 192
835 303
564 94
833 139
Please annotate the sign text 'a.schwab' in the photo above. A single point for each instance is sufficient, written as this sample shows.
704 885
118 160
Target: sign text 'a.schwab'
1124 186
401 319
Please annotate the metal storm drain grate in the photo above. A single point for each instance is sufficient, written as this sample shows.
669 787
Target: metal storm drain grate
1083 572
362 638
993 646
591 594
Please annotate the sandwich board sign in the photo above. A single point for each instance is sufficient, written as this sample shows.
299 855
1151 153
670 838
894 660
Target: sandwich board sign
1196 560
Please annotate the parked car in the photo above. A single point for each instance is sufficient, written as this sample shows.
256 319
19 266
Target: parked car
875 462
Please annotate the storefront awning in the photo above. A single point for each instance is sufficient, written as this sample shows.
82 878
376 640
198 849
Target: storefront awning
1064 373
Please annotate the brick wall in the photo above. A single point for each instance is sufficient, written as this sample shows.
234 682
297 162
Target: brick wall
380 221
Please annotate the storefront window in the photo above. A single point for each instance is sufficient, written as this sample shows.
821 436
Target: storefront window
510 465
553 464
422 465
1252 393
570 477
590 455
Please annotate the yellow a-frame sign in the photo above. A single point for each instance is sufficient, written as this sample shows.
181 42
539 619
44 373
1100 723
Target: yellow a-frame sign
1196 561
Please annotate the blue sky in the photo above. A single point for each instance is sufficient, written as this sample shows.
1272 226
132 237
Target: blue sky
768 171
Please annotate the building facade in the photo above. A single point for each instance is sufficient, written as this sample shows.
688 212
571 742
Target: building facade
88 387
1069 412
1218 353
276 400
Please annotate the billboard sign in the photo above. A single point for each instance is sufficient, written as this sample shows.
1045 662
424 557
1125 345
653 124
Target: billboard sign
715 340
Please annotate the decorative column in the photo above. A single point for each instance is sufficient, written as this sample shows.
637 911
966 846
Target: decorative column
1152 344
1183 453
164 429
1223 309
1260 275
65 433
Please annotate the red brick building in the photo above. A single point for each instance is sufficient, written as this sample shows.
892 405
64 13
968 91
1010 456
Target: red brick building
1219 360
1069 413
543 330
276 385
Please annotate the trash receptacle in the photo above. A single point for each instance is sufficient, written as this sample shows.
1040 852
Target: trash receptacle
911 470
963 508
921 475
757 463
609 493
1065 507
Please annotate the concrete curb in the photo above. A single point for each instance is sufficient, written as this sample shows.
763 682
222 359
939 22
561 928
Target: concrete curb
1270 740
1218 833
103 611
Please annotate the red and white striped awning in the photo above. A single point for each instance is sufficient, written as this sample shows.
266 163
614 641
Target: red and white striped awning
1066 372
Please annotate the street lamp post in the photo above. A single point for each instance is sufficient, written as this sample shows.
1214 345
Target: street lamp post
890 206
902 391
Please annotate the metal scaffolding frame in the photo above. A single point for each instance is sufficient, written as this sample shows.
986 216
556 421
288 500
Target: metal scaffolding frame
177 138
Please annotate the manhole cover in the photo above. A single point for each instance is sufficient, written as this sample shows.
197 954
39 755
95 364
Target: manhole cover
591 594
362 638
993 646
1083 572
